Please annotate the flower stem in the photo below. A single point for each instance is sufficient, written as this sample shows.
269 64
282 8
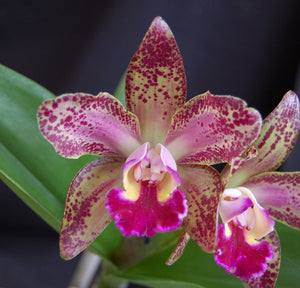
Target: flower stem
85 271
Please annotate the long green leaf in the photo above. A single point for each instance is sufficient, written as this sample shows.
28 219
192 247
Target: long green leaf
28 163
198 268
120 90
194 268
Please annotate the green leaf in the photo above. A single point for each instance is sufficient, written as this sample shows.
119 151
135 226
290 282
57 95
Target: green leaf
289 275
28 163
194 268
156 283
133 250
198 268
120 90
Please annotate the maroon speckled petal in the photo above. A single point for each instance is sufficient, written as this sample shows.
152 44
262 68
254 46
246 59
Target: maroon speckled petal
279 192
235 164
269 278
147 215
239 257
202 187
179 248
85 215
278 136
155 82
211 129
78 124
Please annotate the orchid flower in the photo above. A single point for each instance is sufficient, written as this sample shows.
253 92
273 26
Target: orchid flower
154 155
248 245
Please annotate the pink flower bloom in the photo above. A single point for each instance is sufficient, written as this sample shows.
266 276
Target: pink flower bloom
248 245
154 168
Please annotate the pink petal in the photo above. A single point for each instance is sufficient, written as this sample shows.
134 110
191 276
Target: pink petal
234 165
211 129
239 257
202 187
277 139
78 124
85 215
179 248
257 216
146 216
167 158
268 279
233 207
279 192
155 82
135 157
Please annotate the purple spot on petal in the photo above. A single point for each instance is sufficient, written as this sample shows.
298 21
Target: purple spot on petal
52 118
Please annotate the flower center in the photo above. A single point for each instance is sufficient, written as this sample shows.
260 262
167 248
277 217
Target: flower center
150 169
150 166
151 202
239 205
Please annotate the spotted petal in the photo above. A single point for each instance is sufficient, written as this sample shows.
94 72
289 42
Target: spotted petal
268 279
85 215
277 139
78 124
202 187
155 82
279 192
179 248
211 129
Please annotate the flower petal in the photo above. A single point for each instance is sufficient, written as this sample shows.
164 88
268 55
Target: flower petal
179 248
147 215
155 82
264 224
167 158
268 279
78 124
85 215
212 129
202 187
279 192
129 182
235 206
278 136
237 256
234 165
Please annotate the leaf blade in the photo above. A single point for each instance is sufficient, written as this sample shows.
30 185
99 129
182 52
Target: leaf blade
28 163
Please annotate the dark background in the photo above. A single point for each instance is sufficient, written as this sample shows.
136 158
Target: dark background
249 49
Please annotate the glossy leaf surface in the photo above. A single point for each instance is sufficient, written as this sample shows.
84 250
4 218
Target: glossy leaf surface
198 269
28 163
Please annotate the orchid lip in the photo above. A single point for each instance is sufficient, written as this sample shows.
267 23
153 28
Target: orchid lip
237 256
245 222
151 202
